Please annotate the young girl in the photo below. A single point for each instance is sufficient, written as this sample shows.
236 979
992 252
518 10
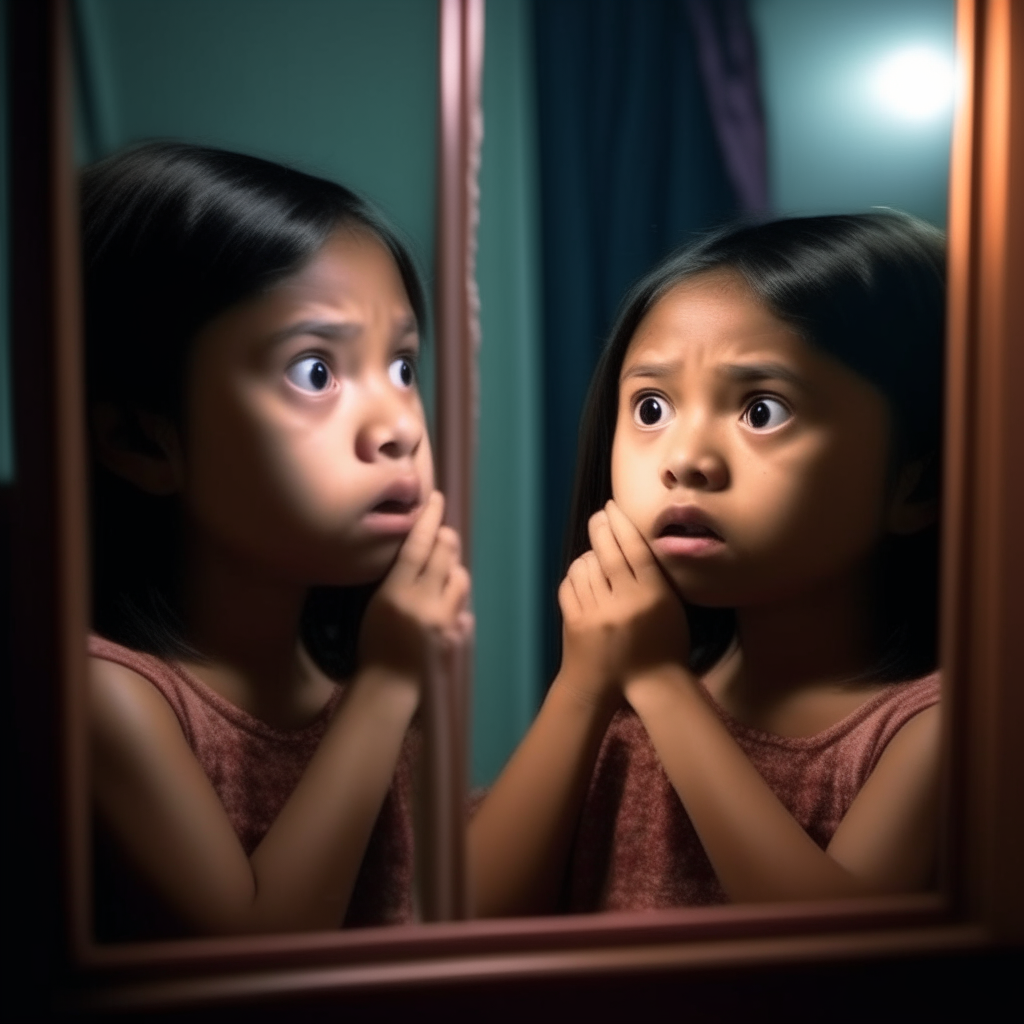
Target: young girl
260 463
754 549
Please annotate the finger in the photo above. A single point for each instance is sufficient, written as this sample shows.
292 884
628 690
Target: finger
467 625
443 558
635 550
606 548
455 595
461 632
579 575
568 602
458 584
418 545
599 582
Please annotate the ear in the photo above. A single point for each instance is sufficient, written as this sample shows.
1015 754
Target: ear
140 447
906 513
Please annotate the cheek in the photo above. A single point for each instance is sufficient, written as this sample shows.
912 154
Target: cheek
625 478
636 480
260 481
425 465
830 517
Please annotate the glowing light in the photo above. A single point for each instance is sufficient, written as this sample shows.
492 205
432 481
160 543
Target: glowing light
915 83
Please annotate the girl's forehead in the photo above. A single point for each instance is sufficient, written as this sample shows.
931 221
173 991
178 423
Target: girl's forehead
352 258
352 280
715 313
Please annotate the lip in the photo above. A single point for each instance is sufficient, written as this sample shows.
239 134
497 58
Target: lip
669 538
396 508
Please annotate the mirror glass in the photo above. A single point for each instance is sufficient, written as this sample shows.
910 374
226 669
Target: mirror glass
855 106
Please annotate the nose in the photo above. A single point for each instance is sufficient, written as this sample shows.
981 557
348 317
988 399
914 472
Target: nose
392 428
693 460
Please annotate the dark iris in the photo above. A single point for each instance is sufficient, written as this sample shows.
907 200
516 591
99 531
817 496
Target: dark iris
650 411
406 372
760 414
318 376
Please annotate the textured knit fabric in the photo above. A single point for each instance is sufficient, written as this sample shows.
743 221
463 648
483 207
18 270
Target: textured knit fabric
636 847
254 768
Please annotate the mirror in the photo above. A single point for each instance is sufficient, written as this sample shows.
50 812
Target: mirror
682 953
227 30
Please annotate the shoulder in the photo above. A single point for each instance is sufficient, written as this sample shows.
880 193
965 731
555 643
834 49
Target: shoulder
124 706
898 706
918 737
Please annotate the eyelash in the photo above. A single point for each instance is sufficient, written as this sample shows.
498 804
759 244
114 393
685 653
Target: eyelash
765 396
306 357
639 399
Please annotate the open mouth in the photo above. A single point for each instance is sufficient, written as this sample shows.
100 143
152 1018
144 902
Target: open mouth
393 507
688 530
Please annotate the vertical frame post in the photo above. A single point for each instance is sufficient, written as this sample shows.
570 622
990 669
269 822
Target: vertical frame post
49 564
983 550
460 134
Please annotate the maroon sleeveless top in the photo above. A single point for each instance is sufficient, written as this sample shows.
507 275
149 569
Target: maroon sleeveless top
254 768
636 848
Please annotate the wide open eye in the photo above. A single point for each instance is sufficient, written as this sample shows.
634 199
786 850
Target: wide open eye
402 372
309 374
652 411
765 413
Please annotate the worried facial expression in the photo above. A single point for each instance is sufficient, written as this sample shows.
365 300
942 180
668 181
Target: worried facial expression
306 449
753 464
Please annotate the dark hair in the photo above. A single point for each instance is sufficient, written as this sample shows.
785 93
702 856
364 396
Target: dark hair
869 289
173 235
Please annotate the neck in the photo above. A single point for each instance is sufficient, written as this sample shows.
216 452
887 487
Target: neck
820 637
245 621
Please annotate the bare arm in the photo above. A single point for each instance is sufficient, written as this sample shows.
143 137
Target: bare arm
521 838
163 809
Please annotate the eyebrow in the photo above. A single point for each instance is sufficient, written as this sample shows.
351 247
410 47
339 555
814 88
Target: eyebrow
740 372
656 370
336 330
329 330
751 372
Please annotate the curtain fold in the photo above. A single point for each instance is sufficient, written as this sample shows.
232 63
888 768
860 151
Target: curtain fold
727 54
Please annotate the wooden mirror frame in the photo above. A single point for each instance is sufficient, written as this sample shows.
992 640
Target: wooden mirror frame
714 961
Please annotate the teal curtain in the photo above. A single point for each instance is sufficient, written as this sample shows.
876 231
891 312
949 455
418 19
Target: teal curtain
507 536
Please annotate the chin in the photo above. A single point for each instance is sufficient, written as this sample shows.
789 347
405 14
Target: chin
700 592
365 567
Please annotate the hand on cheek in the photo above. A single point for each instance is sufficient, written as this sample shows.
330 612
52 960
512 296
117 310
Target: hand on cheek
421 610
620 615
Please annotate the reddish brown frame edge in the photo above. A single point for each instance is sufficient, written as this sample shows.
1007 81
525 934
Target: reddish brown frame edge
709 961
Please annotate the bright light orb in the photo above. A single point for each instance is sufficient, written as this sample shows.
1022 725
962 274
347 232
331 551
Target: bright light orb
915 84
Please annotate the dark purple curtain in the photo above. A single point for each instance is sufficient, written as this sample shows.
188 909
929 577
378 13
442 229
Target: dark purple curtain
727 55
